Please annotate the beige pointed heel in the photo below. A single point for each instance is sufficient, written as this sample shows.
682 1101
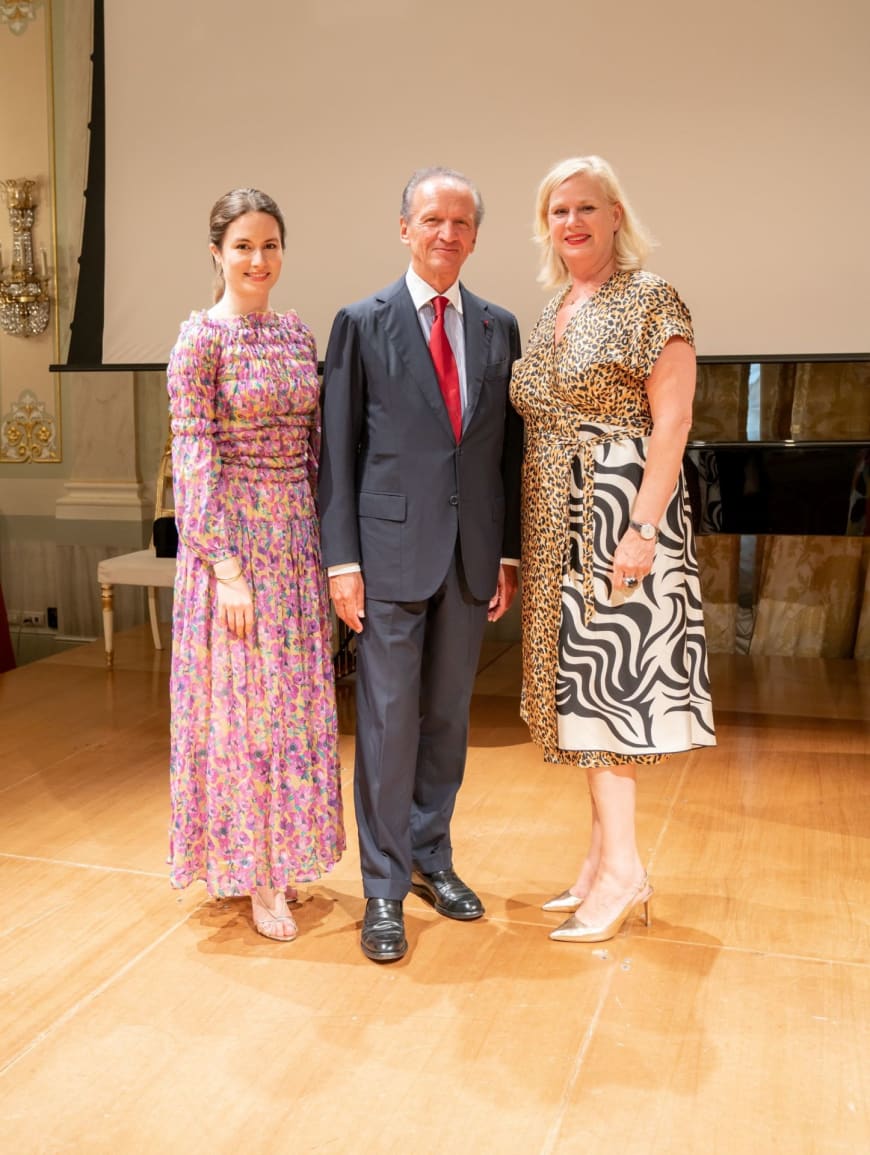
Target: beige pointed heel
575 930
564 901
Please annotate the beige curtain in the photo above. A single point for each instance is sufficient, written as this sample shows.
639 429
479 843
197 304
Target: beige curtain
862 635
811 596
721 399
718 569
831 401
72 40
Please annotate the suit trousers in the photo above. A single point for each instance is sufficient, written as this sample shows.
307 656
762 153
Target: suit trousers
416 666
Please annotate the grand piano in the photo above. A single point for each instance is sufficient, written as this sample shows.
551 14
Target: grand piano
781 487
781 446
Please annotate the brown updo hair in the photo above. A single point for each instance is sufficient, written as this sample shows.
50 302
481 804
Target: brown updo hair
232 205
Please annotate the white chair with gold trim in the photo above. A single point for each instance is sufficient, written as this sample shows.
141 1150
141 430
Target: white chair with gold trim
142 568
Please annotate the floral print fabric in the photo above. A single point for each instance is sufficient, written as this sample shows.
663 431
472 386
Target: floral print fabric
254 768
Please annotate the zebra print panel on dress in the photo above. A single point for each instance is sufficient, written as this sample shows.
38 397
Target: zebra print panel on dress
632 674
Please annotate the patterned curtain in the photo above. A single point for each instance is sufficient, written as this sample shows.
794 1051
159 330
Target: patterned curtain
721 400
718 569
811 596
862 635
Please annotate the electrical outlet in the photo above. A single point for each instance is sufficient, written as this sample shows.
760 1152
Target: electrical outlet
13 617
32 618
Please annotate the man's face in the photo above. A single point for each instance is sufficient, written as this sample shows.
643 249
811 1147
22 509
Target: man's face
440 230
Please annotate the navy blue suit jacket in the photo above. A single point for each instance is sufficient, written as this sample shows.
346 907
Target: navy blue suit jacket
395 488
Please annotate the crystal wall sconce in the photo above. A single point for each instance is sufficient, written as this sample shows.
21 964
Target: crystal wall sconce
24 304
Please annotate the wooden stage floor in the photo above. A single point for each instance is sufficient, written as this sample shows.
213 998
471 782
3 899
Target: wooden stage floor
136 1019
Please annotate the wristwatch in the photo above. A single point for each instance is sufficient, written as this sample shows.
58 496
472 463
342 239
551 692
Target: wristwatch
646 529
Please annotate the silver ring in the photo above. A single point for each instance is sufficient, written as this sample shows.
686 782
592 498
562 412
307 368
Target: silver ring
630 582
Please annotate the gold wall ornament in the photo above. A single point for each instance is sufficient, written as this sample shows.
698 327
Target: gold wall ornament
24 303
16 17
28 432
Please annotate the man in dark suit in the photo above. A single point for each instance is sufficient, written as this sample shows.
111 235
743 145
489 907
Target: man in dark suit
419 501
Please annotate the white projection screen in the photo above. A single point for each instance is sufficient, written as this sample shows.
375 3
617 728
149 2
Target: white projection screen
740 132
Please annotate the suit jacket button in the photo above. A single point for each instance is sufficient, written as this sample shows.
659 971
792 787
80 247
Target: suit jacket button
454 500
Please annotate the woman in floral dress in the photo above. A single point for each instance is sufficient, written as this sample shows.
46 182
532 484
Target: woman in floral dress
614 656
256 801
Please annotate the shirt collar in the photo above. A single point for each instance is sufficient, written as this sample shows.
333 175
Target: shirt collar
422 293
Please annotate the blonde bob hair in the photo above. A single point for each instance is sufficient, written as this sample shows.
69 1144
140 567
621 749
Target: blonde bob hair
632 243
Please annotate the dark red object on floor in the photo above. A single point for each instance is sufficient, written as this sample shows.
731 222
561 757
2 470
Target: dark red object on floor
7 656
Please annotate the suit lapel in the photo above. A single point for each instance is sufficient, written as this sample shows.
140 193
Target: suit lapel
478 334
402 327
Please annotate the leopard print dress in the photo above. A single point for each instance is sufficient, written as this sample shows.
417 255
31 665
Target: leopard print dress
606 681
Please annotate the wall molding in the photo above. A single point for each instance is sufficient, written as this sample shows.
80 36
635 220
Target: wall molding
104 501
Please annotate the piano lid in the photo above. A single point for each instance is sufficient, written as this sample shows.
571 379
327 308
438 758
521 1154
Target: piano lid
779 487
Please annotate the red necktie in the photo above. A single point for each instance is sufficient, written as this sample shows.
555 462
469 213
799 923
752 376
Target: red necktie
445 366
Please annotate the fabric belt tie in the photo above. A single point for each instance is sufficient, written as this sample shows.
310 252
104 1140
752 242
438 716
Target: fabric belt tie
584 447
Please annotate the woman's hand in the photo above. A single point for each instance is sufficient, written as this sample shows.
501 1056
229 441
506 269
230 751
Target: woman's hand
234 601
633 558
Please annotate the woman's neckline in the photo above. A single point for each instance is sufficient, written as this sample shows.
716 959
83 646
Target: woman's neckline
576 307
254 313
580 301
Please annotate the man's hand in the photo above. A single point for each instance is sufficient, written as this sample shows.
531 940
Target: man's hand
348 594
505 592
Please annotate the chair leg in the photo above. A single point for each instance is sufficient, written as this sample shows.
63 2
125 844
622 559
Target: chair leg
108 599
152 613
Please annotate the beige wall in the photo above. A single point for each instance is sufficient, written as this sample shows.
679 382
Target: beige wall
724 121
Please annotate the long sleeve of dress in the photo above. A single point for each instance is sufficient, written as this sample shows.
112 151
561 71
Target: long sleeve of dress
196 463
312 457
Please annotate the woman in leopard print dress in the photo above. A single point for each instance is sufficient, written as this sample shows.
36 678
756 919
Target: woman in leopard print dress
614 655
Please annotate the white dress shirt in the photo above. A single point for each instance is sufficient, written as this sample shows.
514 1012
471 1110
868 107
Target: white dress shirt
423 295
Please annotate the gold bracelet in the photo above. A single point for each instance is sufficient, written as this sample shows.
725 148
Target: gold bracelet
229 580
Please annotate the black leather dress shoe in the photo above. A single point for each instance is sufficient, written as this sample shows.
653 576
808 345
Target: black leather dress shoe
383 930
447 893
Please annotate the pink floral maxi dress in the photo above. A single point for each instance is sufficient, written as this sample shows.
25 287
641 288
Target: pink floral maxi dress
255 786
